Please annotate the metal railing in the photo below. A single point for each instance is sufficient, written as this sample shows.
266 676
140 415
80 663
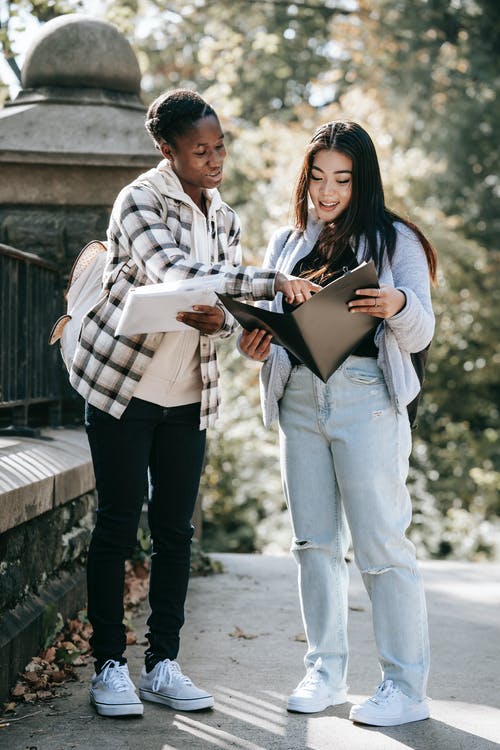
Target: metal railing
30 301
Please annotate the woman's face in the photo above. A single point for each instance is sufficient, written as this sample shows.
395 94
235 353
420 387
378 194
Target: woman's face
330 184
198 156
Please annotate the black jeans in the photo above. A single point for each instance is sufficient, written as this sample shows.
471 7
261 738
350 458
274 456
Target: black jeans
167 445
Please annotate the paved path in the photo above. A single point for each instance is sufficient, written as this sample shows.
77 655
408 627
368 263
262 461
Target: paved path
251 677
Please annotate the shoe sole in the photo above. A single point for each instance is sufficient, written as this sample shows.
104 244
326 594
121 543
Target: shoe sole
391 721
180 704
110 709
313 708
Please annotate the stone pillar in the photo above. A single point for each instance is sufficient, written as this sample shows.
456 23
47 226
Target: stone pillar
72 138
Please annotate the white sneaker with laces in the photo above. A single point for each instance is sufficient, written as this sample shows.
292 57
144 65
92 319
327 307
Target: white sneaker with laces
113 693
312 694
166 684
389 707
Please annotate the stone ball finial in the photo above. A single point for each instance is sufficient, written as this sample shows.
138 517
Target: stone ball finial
79 51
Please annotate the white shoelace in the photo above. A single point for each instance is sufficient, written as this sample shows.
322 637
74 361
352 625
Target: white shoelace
168 672
313 676
116 676
385 692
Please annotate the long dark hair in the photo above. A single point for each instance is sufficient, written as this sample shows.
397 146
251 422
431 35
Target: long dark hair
174 113
366 215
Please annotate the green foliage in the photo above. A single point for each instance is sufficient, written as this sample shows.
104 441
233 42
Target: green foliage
142 549
456 456
15 15
241 485
435 66
257 57
201 564
51 624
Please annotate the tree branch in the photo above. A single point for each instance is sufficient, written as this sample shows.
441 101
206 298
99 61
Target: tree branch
7 47
11 62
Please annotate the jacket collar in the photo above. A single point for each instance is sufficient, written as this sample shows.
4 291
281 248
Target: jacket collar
171 187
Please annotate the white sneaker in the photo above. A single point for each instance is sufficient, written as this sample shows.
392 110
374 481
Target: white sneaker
389 707
113 692
166 684
312 694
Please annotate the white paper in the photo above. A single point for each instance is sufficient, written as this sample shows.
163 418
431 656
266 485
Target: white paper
153 308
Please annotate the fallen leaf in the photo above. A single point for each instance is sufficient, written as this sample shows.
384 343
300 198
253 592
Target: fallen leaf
141 571
58 676
9 708
239 633
301 637
49 655
70 672
34 665
69 646
18 690
44 695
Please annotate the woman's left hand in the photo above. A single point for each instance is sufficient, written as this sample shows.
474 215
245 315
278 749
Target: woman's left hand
384 302
206 319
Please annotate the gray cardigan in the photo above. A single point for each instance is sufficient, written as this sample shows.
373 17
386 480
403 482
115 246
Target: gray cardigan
408 331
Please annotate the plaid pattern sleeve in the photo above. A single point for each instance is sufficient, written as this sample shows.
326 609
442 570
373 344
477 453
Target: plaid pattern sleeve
233 231
161 246
155 235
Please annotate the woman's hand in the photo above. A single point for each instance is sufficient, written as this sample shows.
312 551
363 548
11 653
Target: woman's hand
256 344
384 302
294 290
206 320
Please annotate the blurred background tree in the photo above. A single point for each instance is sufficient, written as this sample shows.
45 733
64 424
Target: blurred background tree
422 76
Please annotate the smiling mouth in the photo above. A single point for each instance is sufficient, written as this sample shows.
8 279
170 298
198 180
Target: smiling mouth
216 174
328 206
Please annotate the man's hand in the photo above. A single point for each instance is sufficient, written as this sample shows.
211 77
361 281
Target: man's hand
294 290
204 318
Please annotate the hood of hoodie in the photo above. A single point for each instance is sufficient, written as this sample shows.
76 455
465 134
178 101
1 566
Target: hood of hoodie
163 181
167 183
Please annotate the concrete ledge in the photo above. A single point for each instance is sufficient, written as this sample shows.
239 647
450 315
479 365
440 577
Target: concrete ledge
39 475
46 510
26 628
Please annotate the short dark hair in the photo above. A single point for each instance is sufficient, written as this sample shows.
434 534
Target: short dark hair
175 112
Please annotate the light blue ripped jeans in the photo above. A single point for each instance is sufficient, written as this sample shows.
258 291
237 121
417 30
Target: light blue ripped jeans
344 455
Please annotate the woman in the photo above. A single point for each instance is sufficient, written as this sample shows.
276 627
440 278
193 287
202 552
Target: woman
149 398
345 444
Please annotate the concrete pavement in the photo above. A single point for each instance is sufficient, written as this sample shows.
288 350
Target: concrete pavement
242 639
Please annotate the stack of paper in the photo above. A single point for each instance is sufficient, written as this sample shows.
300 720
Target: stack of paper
153 308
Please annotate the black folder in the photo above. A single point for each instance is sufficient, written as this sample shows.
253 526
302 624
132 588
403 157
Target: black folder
321 332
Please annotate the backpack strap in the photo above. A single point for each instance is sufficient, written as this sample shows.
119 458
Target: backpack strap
125 266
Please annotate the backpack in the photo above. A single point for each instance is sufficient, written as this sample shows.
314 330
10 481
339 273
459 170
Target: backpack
419 362
84 291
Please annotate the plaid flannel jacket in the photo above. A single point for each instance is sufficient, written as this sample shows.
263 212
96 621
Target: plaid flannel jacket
150 231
